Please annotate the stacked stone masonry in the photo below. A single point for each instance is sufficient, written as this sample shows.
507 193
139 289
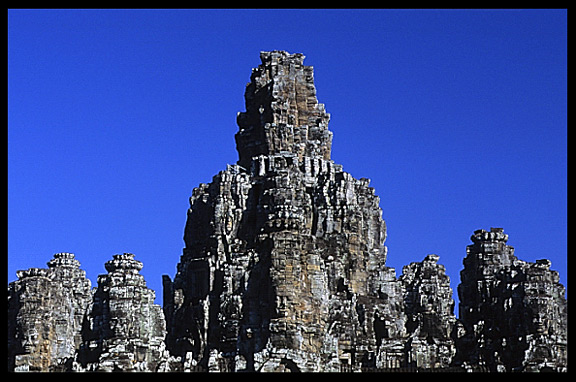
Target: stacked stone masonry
513 313
284 269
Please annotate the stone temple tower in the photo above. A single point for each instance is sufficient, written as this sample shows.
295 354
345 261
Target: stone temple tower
45 314
123 329
284 264
284 269
514 312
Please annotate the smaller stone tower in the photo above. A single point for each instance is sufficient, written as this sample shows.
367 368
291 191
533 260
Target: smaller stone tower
513 312
45 311
124 328
430 316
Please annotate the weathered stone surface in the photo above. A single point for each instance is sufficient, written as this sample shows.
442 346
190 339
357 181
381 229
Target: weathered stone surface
513 312
45 312
282 112
429 309
284 265
57 323
123 330
285 253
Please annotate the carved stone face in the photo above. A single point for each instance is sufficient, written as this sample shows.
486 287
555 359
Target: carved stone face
34 353
30 340
31 316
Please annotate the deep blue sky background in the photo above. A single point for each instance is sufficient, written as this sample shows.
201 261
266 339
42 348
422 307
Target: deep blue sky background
459 118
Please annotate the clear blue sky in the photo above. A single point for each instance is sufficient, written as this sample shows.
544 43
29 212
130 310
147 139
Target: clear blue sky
459 118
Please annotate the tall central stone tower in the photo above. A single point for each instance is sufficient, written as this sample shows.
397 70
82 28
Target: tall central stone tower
284 264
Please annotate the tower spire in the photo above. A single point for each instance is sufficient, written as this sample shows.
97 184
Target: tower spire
282 112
